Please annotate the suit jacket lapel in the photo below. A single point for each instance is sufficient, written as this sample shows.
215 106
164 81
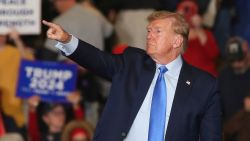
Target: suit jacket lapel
147 74
183 88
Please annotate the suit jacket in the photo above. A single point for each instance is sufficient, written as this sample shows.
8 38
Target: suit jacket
195 113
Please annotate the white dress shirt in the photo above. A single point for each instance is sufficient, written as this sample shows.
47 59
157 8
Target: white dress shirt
68 48
140 126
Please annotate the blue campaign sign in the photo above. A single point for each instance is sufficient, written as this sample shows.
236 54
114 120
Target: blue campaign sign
51 81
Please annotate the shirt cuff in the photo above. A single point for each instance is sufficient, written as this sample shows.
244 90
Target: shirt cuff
69 47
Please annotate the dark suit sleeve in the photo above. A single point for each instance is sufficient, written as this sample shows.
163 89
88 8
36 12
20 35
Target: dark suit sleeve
211 121
97 61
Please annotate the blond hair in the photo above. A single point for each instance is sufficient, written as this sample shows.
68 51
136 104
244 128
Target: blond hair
179 24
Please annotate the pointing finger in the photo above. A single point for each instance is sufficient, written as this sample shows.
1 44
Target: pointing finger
49 24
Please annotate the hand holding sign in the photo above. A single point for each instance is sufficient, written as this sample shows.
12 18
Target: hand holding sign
74 98
33 102
14 35
55 32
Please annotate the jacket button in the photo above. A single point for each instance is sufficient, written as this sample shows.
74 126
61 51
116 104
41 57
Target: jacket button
124 134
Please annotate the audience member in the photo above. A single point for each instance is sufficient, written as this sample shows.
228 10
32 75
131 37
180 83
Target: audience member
130 20
53 116
234 78
10 57
84 23
202 51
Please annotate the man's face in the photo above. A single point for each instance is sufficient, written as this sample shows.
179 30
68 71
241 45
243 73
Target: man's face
160 38
239 66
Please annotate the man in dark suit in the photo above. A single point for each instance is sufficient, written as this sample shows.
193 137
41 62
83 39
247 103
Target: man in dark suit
192 104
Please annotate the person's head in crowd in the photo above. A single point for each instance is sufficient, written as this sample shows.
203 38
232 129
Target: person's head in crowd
54 116
77 131
237 53
167 36
63 5
247 102
190 10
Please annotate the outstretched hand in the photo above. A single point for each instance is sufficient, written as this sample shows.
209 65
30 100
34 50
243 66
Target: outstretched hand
55 32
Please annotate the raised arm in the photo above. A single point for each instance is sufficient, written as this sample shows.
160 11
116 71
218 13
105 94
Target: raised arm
86 55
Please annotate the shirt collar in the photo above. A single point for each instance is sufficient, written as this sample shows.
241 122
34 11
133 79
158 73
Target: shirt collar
173 67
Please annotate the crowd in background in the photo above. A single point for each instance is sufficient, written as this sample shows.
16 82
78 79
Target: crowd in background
218 43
